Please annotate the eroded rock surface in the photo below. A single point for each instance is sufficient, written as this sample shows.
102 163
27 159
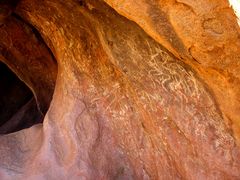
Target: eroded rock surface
124 107
24 52
205 34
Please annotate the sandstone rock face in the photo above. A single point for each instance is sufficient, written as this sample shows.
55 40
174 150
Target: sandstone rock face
29 58
149 99
205 33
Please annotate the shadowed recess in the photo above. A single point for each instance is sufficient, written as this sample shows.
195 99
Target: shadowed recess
18 109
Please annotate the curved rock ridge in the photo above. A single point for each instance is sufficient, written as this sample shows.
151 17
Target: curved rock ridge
29 58
125 107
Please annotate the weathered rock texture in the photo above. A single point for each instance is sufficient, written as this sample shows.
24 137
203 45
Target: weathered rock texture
204 33
128 104
27 56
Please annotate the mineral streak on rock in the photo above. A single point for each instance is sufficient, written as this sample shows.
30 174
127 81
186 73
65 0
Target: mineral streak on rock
125 106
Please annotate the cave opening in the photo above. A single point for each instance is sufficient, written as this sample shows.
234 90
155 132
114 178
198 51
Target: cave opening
18 107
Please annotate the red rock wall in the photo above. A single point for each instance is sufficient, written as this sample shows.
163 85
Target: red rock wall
124 106
29 58
205 34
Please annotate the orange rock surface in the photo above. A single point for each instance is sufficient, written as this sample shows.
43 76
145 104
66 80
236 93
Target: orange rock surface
144 90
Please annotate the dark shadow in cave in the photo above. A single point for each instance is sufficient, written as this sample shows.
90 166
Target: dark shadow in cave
18 108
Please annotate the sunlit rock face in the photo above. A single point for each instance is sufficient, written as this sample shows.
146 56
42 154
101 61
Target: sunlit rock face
236 6
144 89
204 33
